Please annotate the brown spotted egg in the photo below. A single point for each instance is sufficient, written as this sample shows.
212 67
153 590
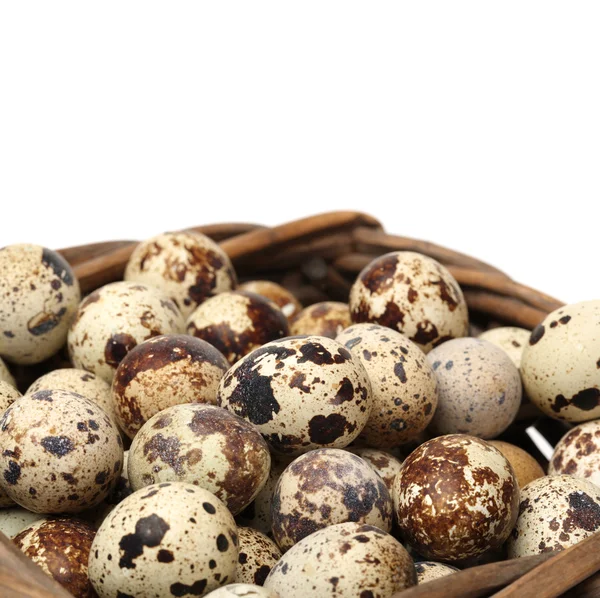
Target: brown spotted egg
59 452
39 295
186 266
237 322
479 388
5 375
284 299
384 464
301 392
8 395
325 487
430 570
169 539
242 589
456 497
578 453
15 519
413 294
164 371
561 363
203 445
61 547
404 386
327 318
84 383
526 468
115 318
555 512
258 555
510 339
344 561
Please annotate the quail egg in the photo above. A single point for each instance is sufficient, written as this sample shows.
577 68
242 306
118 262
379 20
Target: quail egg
327 318
258 555
284 299
430 570
510 339
578 453
526 468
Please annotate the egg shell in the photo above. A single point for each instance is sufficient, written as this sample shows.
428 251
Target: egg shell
15 519
301 392
327 318
569 335
5 375
165 371
59 452
169 539
325 487
578 453
413 294
404 386
456 497
382 463
555 512
115 318
237 322
284 299
85 383
526 468
242 589
479 388
510 339
188 267
203 445
8 395
39 297
430 570
344 561
258 555
61 547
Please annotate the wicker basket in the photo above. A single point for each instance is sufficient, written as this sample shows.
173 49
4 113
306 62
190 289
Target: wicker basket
318 258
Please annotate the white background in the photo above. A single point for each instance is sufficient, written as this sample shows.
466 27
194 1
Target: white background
475 125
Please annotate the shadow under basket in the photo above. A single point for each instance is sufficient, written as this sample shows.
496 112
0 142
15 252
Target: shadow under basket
318 258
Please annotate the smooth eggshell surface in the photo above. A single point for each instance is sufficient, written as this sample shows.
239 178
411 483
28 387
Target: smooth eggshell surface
327 318
382 463
242 589
258 555
14 519
5 375
8 395
526 468
284 299
429 570
510 339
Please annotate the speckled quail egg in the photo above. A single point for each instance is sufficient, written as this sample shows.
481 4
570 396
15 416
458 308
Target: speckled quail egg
284 299
555 512
430 570
203 445
404 386
526 468
561 363
169 539
344 560
39 295
59 452
61 547
413 294
479 388
164 371
301 392
115 318
237 322
14 519
8 395
578 453
242 589
258 555
5 375
257 514
187 266
324 487
456 497
327 318
510 339
84 383
384 464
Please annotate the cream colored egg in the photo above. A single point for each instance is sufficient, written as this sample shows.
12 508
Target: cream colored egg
344 561
115 318
561 363
327 318
510 339
8 395
258 555
284 299
384 464
413 294
242 589
39 295
555 512
15 519
5 375
430 570
302 393
405 394
578 453
170 539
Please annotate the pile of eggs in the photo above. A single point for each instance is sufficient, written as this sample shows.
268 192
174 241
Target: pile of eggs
220 440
